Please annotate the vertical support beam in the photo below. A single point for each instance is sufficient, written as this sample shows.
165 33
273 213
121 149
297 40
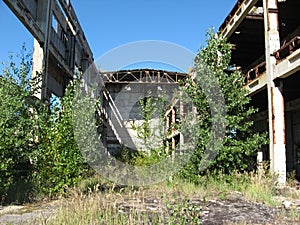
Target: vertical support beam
173 149
167 129
173 119
37 67
41 50
106 122
275 95
181 138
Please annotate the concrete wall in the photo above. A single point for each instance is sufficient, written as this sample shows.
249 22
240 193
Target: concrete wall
125 98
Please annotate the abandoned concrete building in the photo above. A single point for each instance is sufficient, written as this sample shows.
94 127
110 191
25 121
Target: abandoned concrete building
60 45
121 110
265 38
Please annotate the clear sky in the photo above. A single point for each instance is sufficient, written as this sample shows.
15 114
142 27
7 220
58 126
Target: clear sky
110 23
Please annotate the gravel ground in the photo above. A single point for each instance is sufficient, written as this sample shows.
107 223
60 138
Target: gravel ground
27 214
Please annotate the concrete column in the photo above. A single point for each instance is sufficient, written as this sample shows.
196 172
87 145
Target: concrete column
41 50
181 138
173 115
37 68
167 129
259 160
275 96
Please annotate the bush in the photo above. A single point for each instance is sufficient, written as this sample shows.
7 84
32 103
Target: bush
17 123
149 134
37 145
241 143
59 162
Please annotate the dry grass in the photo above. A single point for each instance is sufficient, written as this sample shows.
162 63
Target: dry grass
96 209
96 201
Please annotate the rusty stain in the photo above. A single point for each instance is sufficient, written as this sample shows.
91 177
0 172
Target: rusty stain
275 134
287 49
273 116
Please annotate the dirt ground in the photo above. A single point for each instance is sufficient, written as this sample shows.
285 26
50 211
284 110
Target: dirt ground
234 209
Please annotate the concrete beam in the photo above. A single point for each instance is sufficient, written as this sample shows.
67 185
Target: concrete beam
54 42
257 84
288 66
238 17
24 15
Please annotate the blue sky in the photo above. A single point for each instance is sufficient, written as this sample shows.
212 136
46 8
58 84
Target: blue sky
110 23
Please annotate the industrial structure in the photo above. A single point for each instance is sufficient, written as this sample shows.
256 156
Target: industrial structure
265 38
122 93
60 49
60 46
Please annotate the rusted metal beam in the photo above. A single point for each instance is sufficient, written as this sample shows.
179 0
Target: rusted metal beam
143 76
288 66
287 49
255 72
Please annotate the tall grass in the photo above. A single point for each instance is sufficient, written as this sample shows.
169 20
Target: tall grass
96 201
98 209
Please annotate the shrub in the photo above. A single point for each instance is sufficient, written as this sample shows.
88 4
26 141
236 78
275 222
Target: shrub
37 145
17 123
241 143
59 163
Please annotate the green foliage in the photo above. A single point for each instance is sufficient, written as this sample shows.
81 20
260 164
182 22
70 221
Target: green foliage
17 123
147 159
59 161
185 212
37 145
150 132
241 143
147 109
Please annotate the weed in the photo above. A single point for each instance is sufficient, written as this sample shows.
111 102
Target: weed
185 212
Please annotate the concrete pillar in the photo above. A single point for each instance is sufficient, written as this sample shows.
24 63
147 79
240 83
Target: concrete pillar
173 116
41 50
37 68
167 129
181 138
275 96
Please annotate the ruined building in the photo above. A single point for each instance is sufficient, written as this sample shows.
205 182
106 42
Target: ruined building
121 111
265 38
60 46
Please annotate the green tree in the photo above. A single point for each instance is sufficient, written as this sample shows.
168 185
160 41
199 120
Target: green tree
241 143
37 145
68 144
17 122
150 131
59 162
